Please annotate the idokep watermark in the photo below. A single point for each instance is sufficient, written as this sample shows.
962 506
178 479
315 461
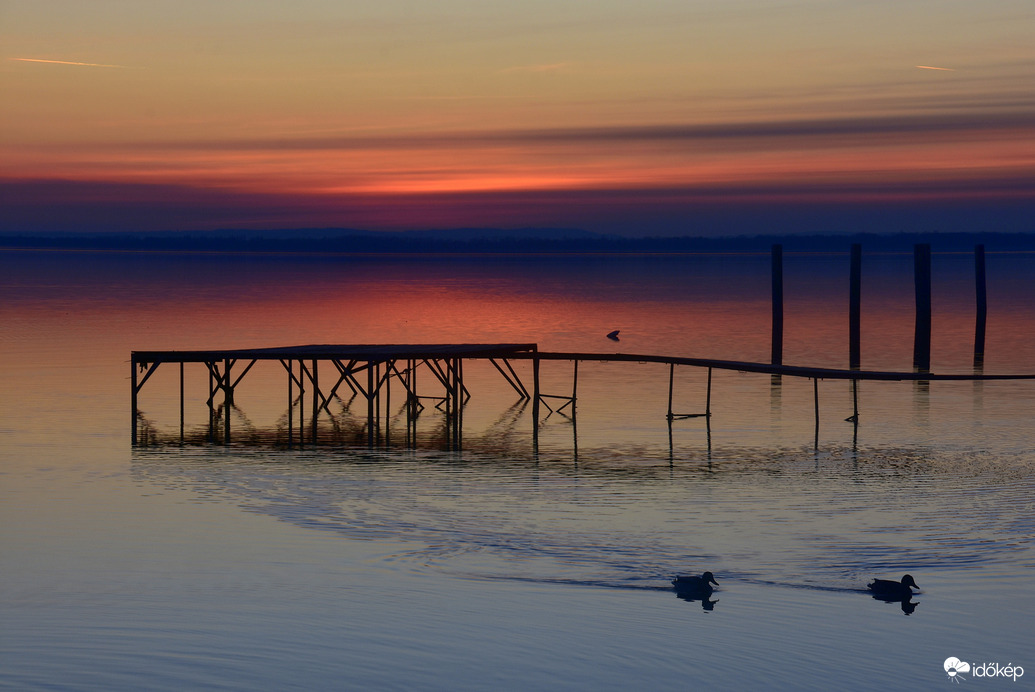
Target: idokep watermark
958 670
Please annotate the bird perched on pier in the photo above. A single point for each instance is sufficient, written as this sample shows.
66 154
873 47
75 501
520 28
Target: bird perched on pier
701 585
886 588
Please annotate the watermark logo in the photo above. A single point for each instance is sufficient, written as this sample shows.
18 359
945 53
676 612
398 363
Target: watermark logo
955 669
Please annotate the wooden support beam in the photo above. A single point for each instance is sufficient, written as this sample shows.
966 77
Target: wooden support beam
146 377
514 382
243 373
289 366
683 416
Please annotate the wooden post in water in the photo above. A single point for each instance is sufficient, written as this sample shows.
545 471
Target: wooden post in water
316 399
671 381
777 264
211 401
982 306
855 307
133 399
228 400
413 401
370 403
574 387
922 283
181 401
301 403
815 396
708 401
535 401
458 413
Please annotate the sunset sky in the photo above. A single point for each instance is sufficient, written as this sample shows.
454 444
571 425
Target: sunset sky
697 117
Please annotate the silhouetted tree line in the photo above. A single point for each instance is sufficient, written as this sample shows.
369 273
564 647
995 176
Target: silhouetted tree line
503 242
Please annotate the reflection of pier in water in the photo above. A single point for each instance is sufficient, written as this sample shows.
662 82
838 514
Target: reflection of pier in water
369 373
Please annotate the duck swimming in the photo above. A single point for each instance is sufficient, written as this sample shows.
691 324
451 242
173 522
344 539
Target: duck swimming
887 588
695 585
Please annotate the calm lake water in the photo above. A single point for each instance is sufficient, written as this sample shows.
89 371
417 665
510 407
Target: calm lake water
171 567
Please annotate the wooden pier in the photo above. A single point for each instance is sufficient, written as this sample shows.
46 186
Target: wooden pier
369 370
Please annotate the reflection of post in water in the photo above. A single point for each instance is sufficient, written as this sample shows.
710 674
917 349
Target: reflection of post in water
979 393
775 395
922 400
707 437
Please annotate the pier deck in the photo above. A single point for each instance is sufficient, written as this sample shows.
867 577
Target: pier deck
368 370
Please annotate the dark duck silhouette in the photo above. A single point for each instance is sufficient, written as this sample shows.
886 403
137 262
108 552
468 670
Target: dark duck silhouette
893 590
695 586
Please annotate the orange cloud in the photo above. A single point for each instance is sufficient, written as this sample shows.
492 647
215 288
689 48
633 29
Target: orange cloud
66 62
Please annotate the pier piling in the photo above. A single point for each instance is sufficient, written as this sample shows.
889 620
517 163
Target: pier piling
922 284
855 307
777 276
981 306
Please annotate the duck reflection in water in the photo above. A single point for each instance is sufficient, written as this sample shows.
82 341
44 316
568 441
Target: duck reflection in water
696 589
890 591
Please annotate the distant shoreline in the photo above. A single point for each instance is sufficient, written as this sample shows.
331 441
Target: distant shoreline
498 242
